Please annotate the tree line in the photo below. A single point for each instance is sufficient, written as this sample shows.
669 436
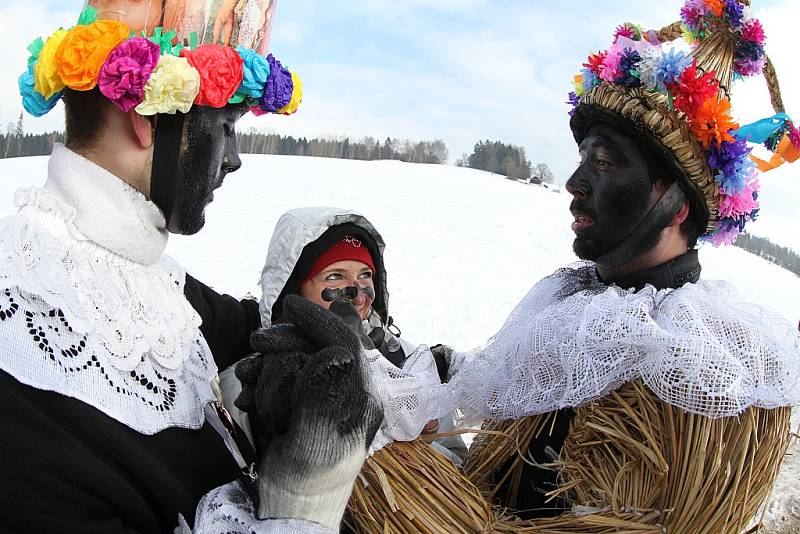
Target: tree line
507 160
772 252
366 148
15 143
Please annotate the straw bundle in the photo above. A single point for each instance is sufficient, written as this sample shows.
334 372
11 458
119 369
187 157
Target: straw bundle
646 465
409 487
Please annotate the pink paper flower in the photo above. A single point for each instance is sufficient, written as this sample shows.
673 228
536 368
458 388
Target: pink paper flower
742 203
126 71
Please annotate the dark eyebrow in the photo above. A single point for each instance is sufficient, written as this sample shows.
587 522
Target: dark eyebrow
600 141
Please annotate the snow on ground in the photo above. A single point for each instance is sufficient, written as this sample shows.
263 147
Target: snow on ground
463 245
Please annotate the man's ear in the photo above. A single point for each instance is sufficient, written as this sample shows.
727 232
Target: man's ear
142 128
681 216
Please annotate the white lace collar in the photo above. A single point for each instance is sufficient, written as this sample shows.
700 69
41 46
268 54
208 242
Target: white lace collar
108 211
87 308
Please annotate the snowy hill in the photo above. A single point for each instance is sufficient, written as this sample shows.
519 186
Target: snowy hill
463 245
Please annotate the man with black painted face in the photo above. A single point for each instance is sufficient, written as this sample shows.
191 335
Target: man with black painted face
109 350
630 212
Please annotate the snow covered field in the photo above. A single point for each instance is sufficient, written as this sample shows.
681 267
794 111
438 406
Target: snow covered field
463 245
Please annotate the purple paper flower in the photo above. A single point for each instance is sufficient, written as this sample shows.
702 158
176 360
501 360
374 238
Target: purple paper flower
573 101
279 87
732 165
124 74
734 10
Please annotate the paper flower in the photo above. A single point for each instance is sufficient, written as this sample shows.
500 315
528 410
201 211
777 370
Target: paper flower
732 164
595 61
220 69
628 73
712 122
742 203
173 86
255 69
691 89
45 72
753 31
610 68
297 96
278 90
84 49
124 74
32 101
734 11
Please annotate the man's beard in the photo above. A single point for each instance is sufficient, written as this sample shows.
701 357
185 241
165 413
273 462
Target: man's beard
620 219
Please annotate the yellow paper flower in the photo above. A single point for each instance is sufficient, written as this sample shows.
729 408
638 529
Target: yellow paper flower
578 83
45 73
84 50
172 87
297 96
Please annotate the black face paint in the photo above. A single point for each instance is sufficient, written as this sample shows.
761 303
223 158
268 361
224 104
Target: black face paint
614 193
207 153
348 293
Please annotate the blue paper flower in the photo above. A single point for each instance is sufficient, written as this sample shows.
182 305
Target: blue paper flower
34 103
628 64
672 64
255 70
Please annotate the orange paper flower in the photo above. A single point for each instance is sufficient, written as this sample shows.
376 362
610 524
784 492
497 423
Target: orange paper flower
712 121
716 7
84 50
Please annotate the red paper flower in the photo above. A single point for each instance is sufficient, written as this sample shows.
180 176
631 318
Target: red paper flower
220 69
595 62
691 89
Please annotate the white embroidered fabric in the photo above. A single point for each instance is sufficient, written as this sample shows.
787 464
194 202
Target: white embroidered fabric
573 339
228 509
410 396
82 321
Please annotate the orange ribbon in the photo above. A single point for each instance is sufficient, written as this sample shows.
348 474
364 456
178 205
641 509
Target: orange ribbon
785 153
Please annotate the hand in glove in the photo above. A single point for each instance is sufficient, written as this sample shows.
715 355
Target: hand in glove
311 396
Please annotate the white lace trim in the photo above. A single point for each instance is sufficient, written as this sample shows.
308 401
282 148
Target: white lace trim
228 509
90 324
572 339
410 396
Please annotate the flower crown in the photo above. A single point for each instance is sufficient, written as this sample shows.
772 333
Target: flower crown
150 74
640 68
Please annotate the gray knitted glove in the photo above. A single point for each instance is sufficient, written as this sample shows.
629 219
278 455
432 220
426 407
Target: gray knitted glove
318 418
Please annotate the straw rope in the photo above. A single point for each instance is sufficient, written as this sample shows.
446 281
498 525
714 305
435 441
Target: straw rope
647 465
669 128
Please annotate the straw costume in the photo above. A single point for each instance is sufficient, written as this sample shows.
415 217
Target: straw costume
660 403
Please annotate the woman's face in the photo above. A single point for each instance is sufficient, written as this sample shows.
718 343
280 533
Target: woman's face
337 275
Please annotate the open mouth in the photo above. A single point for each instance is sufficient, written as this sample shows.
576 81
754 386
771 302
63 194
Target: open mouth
581 222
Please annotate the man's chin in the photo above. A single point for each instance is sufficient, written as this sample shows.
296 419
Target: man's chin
187 224
586 249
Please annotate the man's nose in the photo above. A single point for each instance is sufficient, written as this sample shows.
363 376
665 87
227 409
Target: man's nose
577 187
231 162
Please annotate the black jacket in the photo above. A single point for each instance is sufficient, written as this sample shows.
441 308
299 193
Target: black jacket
67 467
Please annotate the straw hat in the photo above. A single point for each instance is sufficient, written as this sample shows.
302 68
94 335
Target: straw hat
681 104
